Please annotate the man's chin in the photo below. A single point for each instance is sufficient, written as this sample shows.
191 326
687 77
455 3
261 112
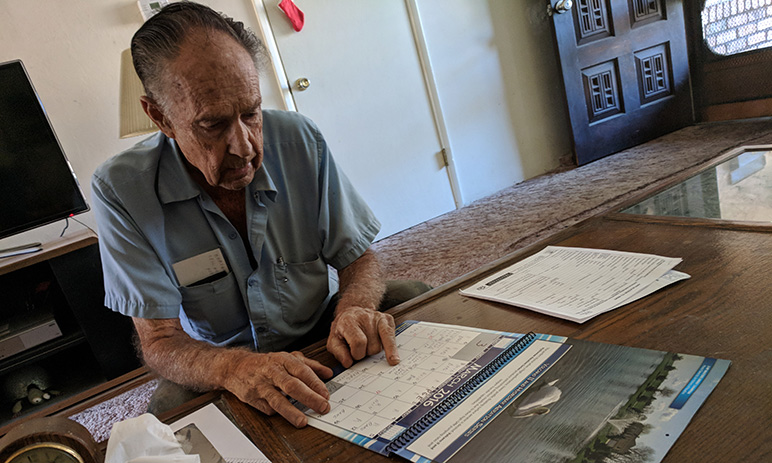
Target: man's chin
235 185
237 179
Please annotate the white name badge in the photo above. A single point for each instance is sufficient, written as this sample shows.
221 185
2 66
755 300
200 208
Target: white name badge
198 268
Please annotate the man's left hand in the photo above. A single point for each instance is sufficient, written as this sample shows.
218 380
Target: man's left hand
357 332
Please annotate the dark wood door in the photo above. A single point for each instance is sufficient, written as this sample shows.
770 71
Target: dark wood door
625 72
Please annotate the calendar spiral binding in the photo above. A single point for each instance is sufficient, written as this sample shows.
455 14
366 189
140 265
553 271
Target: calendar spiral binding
431 417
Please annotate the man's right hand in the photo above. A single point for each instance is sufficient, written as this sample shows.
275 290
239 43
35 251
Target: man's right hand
265 381
261 380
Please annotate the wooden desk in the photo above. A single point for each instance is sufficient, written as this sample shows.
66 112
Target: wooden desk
723 311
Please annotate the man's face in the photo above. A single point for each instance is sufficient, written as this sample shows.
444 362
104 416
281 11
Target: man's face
211 107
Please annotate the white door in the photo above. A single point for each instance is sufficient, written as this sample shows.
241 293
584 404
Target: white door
367 94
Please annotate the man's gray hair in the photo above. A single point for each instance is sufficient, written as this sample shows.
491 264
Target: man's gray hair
159 40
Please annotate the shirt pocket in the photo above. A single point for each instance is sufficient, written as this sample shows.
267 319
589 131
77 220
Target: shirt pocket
214 311
303 288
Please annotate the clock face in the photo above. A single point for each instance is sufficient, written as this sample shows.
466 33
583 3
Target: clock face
45 452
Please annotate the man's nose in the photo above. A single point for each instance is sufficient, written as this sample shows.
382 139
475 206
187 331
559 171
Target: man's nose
239 140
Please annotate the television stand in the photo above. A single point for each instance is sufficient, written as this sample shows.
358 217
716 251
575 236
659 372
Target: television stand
22 249
58 335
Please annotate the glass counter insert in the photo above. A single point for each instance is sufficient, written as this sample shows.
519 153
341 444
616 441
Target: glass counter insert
737 189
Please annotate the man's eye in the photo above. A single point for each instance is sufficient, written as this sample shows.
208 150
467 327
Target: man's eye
211 125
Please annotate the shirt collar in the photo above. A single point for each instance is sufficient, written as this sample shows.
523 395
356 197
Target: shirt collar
175 184
263 182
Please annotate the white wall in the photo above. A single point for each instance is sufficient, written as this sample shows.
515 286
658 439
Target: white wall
494 64
498 79
72 50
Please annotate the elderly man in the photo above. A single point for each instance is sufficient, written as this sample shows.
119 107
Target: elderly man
216 234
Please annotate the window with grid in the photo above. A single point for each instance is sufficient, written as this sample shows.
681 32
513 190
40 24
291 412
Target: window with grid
730 27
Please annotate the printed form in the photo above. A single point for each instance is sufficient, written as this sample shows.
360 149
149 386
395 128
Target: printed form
577 283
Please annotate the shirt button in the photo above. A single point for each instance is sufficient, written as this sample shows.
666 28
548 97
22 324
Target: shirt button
286 279
261 329
233 235
252 283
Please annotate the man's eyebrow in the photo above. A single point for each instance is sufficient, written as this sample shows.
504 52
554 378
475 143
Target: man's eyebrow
212 113
209 117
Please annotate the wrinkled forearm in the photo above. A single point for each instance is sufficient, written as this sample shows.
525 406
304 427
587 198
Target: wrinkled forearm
170 352
361 283
264 380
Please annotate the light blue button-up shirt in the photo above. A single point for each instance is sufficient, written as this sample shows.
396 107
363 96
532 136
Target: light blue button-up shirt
302 215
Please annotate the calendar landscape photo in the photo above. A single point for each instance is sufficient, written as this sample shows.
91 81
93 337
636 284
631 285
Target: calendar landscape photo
600 403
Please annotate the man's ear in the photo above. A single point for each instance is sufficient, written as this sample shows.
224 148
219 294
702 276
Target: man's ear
156 114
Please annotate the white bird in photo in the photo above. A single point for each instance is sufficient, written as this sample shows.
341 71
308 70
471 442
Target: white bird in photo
538 402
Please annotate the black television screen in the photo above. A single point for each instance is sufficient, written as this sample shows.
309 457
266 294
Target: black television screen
37 184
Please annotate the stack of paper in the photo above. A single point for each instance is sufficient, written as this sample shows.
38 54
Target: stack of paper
577 284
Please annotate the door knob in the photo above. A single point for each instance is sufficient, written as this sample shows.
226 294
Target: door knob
562 6
302 83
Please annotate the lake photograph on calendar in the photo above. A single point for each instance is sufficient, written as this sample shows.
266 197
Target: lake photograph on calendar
600 403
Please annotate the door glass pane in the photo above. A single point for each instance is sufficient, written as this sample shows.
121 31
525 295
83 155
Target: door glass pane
730 27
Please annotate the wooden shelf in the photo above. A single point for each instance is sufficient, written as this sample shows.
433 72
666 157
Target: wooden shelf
76 403
70 372
50 250
42 351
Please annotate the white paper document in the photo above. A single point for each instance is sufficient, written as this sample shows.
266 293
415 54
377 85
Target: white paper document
226 438
577 283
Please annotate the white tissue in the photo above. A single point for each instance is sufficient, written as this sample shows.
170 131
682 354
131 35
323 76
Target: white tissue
167 459
144 439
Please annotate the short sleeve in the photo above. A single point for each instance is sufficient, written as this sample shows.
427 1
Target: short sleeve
136 282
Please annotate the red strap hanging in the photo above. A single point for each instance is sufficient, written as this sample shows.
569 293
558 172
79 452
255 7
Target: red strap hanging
296 17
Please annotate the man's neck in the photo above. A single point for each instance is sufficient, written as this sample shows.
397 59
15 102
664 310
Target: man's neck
232 203
222 195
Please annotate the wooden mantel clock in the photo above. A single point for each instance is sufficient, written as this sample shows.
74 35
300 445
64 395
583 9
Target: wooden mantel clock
52 439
